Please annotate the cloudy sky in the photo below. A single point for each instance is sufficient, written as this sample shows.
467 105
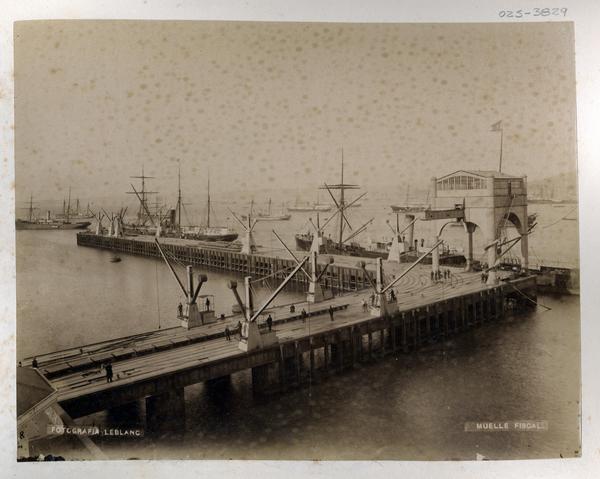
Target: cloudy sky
270 105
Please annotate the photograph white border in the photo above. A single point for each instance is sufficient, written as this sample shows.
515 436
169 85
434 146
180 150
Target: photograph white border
586 16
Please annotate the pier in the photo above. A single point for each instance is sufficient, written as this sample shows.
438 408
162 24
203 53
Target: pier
156 366
339 277
355 310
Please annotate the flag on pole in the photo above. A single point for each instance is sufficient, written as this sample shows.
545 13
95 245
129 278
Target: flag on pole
497 126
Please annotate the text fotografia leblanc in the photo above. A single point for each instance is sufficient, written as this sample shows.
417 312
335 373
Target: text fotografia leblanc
94 431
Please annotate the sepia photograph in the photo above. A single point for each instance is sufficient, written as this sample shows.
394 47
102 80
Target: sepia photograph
300 241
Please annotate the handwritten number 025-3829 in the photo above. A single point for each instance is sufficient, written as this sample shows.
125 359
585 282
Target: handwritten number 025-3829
534 12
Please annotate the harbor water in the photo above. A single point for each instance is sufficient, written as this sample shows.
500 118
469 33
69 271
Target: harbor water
408 406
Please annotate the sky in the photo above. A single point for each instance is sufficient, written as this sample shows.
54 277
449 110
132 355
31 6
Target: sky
266 106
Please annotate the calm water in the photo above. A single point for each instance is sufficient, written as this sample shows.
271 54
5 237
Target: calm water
405 407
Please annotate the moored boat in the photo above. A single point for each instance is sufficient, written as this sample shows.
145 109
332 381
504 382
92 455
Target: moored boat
47 223
269 216
50 225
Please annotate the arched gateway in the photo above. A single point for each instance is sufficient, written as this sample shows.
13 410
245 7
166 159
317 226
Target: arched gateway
490 200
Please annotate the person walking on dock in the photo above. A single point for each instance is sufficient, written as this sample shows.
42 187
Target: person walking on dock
227 333
392 295
179 310
331 312
303 315
364 304
207 302
239 329
269 322
34 363
292 308
109 372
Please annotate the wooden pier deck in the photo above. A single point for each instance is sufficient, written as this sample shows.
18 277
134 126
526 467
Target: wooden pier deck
158 362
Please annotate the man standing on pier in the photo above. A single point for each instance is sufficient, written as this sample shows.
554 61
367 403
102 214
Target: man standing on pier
227 333
179 310
269 322
331 312
109 372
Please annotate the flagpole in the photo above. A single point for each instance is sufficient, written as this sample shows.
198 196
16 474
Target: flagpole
501 141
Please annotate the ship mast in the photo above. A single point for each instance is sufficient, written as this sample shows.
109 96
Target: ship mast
208 202
69 206
143 213
342 203
178 196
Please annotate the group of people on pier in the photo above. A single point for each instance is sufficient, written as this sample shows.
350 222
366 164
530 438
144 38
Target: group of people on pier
237 330
440 275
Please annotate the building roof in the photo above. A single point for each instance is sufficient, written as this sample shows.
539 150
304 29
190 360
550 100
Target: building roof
482 173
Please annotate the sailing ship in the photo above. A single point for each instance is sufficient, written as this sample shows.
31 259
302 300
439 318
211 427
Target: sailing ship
309 207
146 223
75 214
269 216
207 232
170 224
408 207
47 223
343 245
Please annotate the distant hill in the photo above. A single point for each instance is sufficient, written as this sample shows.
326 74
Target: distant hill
557 187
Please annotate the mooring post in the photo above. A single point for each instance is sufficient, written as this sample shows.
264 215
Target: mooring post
312 357
352 345
340 350
404 333
297 356
281 368
417 329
